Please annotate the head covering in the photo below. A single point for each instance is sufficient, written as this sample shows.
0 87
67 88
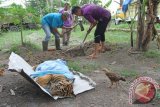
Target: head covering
65 13
67 3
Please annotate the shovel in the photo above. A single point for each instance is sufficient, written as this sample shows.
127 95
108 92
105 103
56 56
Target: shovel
82 44
79 50
79 23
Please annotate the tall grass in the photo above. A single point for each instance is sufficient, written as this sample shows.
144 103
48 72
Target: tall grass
9 38
111 36
36 36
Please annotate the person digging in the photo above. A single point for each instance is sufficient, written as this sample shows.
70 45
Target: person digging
99 17
50 23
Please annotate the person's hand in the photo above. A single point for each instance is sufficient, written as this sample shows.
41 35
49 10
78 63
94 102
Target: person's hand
60 35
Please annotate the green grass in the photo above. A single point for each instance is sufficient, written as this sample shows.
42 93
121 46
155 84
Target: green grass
121 25
81 67
79 35
74 66
32 46
10 38
129 73
157 26
118 37
89 67
111 36
16 48
152 54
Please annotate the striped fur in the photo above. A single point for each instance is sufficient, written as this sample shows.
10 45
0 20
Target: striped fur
58 85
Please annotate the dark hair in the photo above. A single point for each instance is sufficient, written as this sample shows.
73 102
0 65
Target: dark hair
75 9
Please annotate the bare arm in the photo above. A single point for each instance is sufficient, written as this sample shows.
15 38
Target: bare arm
92 21
92 25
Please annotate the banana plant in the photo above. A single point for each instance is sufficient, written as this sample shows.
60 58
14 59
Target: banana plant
108 4
74 2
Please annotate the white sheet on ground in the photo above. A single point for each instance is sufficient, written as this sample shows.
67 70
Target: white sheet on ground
80 84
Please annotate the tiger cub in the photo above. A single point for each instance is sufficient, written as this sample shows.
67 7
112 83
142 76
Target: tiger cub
2 72
44 80
60 86
57 85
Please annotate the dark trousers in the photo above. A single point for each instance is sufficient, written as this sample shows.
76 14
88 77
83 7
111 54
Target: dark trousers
99 35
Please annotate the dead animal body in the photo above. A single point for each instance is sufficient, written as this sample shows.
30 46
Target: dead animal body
57 85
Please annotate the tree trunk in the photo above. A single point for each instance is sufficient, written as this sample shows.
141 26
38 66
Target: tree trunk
140 26
150 29
22 33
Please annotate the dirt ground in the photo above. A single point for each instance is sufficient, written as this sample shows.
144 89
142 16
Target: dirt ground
28 95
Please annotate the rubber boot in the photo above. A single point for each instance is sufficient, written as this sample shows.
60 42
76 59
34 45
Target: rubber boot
45 45
57 42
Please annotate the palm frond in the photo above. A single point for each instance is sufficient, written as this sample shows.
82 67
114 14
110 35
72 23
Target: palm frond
108 3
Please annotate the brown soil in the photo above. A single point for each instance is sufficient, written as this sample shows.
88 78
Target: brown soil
27 95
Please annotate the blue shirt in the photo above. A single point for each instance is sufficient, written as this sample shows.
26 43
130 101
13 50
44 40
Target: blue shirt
54 20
